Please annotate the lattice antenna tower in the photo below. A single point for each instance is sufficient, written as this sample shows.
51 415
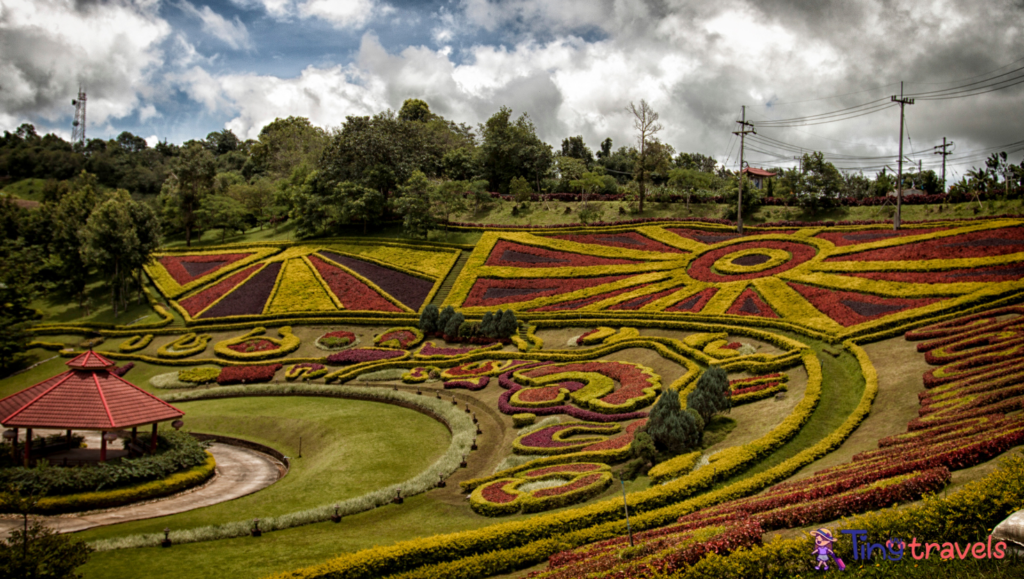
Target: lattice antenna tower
78 126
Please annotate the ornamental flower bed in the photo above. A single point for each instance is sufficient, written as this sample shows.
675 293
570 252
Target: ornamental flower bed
257 345
428 350
638 385
555 439
360 355
401 338
351 291
199 301
511 387
408 289
247 374
247 299
305 370
580 481
473 384
336 340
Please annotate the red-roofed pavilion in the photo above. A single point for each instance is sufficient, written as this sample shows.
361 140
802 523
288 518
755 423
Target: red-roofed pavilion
87 397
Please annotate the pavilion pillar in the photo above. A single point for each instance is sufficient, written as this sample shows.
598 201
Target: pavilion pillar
14 446
103 446
135 435
69 439
28 446
152 441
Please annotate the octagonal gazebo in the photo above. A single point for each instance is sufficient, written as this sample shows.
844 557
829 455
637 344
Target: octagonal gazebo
87 397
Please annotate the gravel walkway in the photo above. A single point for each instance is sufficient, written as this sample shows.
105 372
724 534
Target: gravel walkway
240 472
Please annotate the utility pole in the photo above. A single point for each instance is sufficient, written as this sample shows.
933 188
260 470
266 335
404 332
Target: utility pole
739 195
943 152
899 177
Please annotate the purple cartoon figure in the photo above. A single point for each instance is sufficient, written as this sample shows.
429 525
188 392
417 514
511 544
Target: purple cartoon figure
823 541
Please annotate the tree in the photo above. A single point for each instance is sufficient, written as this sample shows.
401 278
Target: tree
17 290
286 144
120 237
428 319
696 162
65 264
512 149
672 428
448 199
35 551
452 325
520 190
606 149
575 147
645 121
222 142
507 325
413 204
224 213
459 164
689 181
711 396
256 197
488 326
415 110
443 316
190 183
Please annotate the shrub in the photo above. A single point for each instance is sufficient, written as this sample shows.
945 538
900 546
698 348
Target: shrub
487 325
453 324
711 396
673 428
523 419
508 324
429 319
442 318
247 374
202 375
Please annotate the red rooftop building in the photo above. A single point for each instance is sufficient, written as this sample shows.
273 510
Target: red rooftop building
87 397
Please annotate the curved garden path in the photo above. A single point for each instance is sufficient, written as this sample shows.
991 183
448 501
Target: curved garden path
240 472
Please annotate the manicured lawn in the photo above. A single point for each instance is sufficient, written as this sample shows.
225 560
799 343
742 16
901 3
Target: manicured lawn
349 448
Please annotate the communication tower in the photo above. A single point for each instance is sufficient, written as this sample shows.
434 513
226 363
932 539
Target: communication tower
78 126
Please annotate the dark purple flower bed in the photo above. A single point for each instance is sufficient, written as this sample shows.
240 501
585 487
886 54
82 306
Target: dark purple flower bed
247 374
408 289
469 383
122 370
249 298
506 382
359 355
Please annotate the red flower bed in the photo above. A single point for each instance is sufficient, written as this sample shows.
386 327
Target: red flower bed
429 349
512 254
632 381
620 441
495 492
712 237
352 293
247 374
405 338
504 405
624 239
694 303
844 238
852 308
758 388
186 268
488 292
580 482
544 438
750 303
122 370
981 274
956 329
197 302
560 468
254 345
986 243
637 303
359 355
407 289
701 268
249 298
580 303
468 384
547 393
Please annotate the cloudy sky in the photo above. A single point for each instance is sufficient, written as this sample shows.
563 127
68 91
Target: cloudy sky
179 69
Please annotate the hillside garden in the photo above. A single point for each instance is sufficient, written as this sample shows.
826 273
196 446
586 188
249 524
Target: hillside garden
484 409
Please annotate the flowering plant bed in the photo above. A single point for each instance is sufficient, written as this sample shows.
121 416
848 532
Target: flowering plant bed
468 384
360 355
135 343
247 374
201 375
336 340
400 338
428 351
250 347
556 439
305 371
187 345
566 484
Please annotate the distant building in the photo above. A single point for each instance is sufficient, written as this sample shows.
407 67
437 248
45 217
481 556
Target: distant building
757 176
908 192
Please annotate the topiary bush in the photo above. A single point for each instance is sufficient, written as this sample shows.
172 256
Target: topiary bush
429 319
672 428
453 324
711 395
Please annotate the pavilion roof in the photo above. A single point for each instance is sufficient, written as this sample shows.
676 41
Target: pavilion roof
87 397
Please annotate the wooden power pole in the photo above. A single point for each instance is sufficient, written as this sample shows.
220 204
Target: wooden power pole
944 153
899 176
739 194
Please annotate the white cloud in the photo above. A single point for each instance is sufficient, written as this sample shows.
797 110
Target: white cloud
152 140
148 112
342 14
51 47
232 33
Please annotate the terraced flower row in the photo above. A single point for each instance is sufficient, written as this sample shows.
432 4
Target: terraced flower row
833 283
281 281
963 423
